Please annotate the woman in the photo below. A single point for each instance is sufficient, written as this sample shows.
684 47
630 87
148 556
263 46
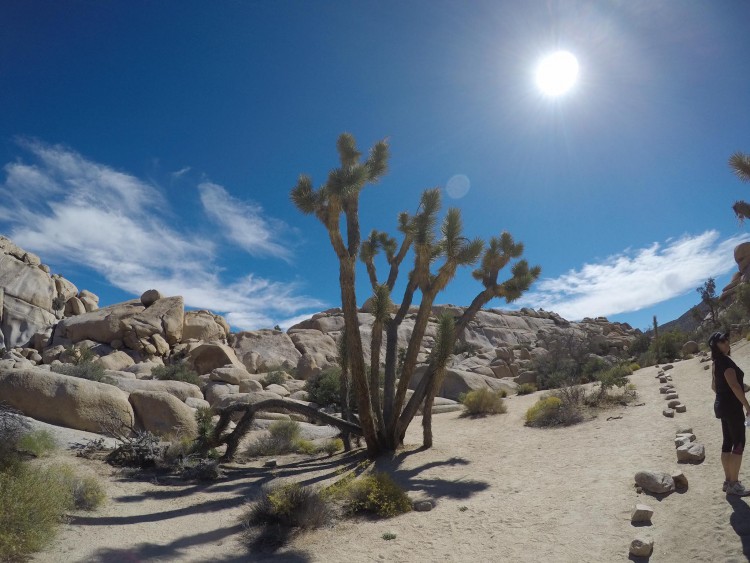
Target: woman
730 401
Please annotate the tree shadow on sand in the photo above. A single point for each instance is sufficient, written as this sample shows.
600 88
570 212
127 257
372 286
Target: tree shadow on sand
434 487
740 522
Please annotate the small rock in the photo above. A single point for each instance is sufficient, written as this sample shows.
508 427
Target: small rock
641 547
706 367
681 441
691 453
672 396
669 413
680 481
667 367
684 430
270 463
681 408
642 513
689 435
638 489
662 379
424 505
673 403
655 481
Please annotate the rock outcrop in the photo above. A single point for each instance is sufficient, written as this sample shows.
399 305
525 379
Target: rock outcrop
65 401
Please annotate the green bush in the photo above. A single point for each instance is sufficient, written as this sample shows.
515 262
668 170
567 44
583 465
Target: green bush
283 438
484 401
274 377
37 442
86 493
83 370
526 389
634 367
176 372
557 410
377 494
289 506
33 501
616 376
332 446
325 389
12 428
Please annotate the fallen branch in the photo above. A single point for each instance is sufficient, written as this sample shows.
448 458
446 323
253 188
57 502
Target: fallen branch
232 439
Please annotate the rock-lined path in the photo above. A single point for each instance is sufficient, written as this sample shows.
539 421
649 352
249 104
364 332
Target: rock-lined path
530 495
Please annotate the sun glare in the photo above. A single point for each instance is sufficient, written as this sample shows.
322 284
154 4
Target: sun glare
557 73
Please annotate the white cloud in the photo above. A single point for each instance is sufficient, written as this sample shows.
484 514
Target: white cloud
181 172
243 223
121 227
635 279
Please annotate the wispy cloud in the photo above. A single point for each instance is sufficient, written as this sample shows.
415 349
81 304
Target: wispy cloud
181 172
635 279
120 226
244 223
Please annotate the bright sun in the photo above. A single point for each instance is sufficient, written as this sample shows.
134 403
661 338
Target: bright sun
557 73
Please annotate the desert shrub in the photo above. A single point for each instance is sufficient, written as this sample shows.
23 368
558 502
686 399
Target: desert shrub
634 367
204 418
283 438
84 370
200 468
562 410
375 493
274 377
33 501
289 506
12 428
592 366
176 372
640 344
86 493
143 449
37 442
332 446
526 389
325 388
484 401
616 376
624 395
467 348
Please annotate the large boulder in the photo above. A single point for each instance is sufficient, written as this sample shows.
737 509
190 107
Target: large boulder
26 282
263 350
179 389
233 375
163 414
117 361
128 322
20 321
457 382
65 401
204 326
207 357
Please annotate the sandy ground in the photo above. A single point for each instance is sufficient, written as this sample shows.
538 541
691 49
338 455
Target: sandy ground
504 492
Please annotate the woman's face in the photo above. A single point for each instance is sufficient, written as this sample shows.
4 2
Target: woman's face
723 346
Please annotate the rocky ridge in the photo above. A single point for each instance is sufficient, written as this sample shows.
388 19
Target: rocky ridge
45 321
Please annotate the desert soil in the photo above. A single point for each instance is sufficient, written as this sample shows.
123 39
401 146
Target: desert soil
503 492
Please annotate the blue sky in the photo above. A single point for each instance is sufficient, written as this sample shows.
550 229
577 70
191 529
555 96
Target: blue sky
154 144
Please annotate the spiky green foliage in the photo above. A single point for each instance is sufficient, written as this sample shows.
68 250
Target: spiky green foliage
740 164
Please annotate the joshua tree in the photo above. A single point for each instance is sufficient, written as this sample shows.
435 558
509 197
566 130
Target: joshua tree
708 296
740 163
383 426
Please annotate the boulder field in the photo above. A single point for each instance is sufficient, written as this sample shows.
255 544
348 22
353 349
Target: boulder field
45 320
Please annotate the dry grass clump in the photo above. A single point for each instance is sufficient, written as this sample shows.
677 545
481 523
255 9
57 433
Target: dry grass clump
176 372
526 389
37 443
375 493
484 402
33 501
283 438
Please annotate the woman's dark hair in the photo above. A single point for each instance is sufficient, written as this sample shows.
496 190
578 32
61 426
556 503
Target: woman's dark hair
713 343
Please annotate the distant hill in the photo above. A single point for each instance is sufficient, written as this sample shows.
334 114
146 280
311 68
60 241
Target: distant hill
686 322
